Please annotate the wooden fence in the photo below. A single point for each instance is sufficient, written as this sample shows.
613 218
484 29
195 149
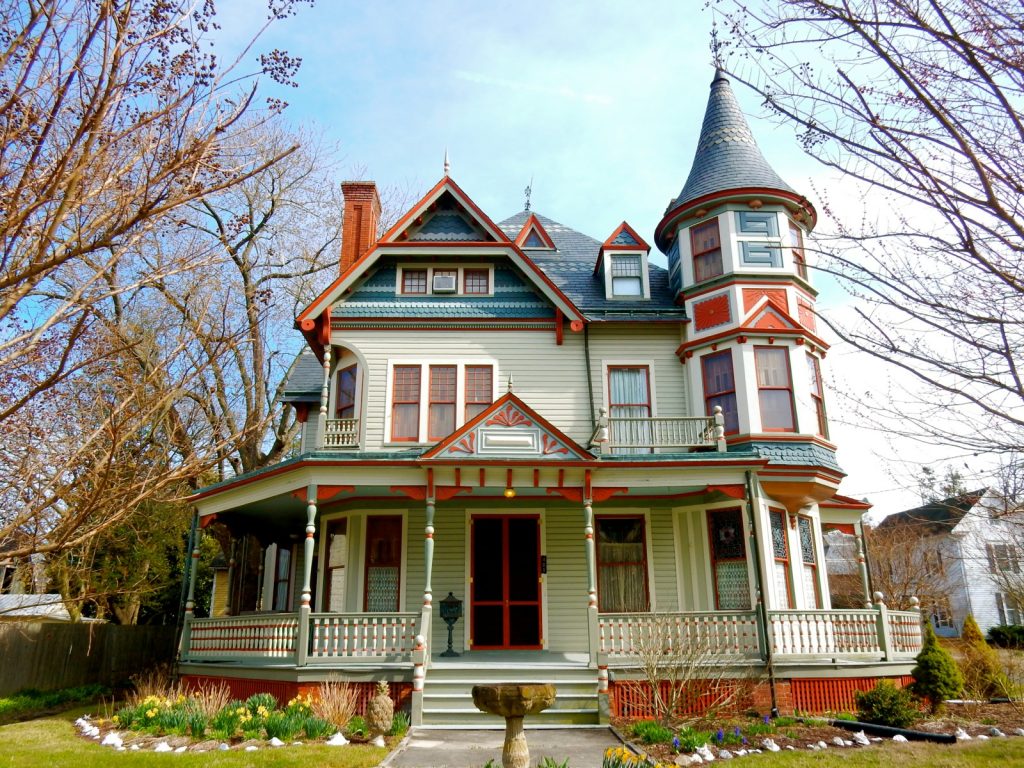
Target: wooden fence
49 656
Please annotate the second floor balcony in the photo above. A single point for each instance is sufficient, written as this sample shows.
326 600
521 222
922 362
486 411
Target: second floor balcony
648 434
341 433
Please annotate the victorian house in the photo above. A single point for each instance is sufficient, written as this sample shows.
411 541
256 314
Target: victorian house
566 447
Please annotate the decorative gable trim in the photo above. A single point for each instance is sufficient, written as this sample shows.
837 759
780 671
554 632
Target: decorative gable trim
508 429
624 238
415 216
533 227
767 315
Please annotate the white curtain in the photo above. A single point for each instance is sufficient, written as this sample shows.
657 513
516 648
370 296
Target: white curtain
630 398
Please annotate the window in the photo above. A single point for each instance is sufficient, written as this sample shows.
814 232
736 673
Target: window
720 388
441 416
414 281
796 243
729 560
479 389
337 560
621 565
346 404
405 408
706 247
810 561
774 390
282 578
627 275
475 281
1002 558
941 614
1009 609
780 548
383 562
814 374
629 401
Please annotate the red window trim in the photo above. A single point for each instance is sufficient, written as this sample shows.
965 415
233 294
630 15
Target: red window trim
612 404
395 401
426 282
487 281
789 376
799 259
694 252
330 530
711 550
352 405
709 395
366 560
819 397
432 402
597 552
814 565
490 393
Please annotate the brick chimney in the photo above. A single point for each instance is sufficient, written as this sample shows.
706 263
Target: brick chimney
359 228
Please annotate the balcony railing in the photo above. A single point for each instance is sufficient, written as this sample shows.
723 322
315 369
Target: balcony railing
341 433
704 634
644 434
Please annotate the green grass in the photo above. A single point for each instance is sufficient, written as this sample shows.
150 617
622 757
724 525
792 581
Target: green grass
54 743
29 702
972 754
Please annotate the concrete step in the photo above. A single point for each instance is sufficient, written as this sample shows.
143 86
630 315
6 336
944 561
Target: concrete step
474 718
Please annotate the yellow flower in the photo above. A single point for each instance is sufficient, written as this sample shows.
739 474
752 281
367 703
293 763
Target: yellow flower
115 720
151 712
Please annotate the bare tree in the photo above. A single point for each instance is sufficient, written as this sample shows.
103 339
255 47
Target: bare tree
918 103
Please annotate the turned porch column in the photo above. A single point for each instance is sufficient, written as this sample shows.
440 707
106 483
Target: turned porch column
325 394
190 601
862 565
302 642
230 587
588 542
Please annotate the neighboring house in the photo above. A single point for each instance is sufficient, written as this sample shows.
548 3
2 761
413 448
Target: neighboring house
31 607
579 445
963 550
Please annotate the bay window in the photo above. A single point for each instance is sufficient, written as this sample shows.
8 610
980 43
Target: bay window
780 550
817 395
810 562
706 246
774 389
720 388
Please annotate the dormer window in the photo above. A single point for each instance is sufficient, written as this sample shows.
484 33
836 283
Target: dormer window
627 275
706 247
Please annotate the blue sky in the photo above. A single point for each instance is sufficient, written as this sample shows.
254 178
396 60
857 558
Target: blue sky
599 102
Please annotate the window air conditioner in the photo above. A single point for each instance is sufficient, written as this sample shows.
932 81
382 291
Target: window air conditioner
444 283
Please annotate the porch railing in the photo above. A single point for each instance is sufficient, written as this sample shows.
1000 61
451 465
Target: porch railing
341 433
362 636
642 434
266 636
829 633
705 634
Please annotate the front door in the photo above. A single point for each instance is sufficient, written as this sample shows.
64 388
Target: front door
505 582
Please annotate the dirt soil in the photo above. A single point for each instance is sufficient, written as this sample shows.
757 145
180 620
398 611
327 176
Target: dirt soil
975 719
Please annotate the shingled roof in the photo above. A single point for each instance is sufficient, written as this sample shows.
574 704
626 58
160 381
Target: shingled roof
936 516
727 155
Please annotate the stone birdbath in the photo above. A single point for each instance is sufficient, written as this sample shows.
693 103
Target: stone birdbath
514 701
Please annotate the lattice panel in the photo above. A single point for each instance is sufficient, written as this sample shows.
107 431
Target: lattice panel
381 589
634 699
818 696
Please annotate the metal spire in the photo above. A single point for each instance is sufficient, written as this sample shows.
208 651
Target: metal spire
528 191
510 382
447 165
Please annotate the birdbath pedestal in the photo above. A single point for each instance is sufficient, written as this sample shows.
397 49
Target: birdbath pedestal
514 701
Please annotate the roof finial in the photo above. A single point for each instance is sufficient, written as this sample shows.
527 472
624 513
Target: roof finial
447 165
510 383
716 47
528 191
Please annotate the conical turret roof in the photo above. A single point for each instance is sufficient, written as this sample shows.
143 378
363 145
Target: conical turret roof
727 156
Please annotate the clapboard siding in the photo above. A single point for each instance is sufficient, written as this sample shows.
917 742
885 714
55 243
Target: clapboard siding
656 346
662 561
551 379
566 580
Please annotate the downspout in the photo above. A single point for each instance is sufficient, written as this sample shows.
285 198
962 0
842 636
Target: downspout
590 378
762 613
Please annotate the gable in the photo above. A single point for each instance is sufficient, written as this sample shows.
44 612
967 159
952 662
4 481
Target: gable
445 214
533 235
508 429
769 316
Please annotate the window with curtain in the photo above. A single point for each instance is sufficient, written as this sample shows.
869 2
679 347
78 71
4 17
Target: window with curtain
621 565
729 559
780 549
346 405
441 414
479 389
706 246
720 388
774 389
810 559
627 275
383 562
817 395
282 578
629 398
405 407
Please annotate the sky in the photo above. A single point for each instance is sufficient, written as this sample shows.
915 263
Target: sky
596 105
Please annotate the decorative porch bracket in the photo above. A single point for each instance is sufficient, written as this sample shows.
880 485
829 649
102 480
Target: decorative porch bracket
302 641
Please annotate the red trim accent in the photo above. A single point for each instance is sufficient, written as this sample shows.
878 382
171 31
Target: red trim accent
483 477
533 223
430 482
446 492
737 492
414 492
432 196
607 244
559 326
508 478
536 478
323 492
783 282
207 520
747 331
844 502
587 483
596 495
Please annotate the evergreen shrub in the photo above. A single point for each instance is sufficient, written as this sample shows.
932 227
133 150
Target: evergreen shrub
980 667
936 676
886 705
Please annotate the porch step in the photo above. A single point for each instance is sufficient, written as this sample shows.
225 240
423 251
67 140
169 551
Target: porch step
448 697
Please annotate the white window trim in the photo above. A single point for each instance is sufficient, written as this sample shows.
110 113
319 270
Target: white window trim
460 392
645 284
459 287
631 362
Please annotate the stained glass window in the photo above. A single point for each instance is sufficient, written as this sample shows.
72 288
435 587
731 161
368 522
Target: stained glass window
781 551
729 555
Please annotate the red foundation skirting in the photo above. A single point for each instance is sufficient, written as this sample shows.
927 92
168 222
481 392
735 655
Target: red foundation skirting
285 690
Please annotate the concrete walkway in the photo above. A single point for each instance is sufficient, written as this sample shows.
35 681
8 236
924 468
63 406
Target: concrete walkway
583 747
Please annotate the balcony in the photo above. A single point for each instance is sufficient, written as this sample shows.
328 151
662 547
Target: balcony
341 433
646 434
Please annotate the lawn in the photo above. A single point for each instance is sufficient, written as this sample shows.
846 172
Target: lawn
973 754
52 742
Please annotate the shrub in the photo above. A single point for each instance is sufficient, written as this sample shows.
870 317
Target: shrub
980 668
356 726
1007 636
886 705
936 676
335 702
650 732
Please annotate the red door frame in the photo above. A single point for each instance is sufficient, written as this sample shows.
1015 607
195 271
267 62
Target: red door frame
505 603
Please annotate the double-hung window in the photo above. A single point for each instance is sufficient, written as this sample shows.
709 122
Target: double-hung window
810 561
780 549
774 389
479 389
796 244
817 395
627 275
720 388
447 404
706 246
441 420
629 406
405 403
